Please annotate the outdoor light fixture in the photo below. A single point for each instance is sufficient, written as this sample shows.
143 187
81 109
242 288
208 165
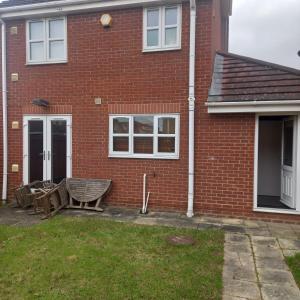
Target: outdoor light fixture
106 20
40 102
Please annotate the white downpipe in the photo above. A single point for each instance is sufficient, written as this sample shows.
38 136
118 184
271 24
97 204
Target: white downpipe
191 99
4 109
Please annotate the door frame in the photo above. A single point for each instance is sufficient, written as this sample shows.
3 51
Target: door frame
46 139
297 165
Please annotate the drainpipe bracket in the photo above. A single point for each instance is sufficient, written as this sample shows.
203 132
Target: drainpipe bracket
191 103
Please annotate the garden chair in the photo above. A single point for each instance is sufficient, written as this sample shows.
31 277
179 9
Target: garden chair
24 194
53 200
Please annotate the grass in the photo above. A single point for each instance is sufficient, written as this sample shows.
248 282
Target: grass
294 264
80 258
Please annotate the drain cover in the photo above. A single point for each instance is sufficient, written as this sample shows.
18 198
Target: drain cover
180 240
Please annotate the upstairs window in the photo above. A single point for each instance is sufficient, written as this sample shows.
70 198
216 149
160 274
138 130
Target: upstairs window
46 41
162 28
144 136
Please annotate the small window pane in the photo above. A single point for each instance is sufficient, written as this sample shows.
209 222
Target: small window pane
166 125
143 124
166 144
120 144
152 18
56 50
171 36
171 16
120 125
143 145
288 143
152 38
37 51
36 30
56 29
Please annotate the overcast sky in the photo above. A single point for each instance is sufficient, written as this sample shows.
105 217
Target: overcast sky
267 30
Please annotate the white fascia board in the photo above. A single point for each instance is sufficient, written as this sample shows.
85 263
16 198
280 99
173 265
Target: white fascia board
253 107
72 6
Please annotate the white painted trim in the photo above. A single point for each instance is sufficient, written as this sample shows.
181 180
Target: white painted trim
255 183
277 211
255 175
46 59
253 106
74 6
161 29
155 135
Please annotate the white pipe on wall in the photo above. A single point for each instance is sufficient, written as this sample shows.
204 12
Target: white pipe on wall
4 109
144 193
191 99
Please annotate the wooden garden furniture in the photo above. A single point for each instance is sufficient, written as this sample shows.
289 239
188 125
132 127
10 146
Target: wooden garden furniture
52 200
25 194
87 193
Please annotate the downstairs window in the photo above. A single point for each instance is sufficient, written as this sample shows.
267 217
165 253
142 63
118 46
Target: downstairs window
144 136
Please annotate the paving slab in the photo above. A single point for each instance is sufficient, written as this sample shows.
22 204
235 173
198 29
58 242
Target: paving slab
236 238
242 289
270 263
276 276
265 241
290 252
289 244
267 251
279 292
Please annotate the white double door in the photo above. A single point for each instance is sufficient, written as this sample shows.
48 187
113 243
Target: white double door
288 166
46 148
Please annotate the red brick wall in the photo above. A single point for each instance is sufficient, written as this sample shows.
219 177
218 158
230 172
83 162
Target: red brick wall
109 63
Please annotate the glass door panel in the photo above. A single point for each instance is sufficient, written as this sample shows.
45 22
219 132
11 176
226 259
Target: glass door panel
36 150
58 150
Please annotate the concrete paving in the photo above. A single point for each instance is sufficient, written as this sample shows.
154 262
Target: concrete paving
254 266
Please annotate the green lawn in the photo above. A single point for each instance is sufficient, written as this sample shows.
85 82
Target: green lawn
80 258
294 264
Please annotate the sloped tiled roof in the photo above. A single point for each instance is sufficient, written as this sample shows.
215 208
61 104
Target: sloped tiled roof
8 3
238 78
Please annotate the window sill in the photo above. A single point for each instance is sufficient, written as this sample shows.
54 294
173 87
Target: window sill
173 157
46 63
276 211
161 49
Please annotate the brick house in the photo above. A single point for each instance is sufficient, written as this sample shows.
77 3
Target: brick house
106 89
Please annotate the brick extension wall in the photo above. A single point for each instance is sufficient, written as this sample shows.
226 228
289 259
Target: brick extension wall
109 63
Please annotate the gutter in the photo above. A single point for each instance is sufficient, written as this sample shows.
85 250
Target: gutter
4 110
253 103
253 106
72 6
191 100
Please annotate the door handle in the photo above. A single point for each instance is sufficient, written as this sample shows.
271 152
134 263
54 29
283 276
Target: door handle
44 155
48 155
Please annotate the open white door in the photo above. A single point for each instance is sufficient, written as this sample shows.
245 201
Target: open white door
288 168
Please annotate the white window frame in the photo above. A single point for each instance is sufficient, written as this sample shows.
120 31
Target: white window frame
46 39
161 29
155 135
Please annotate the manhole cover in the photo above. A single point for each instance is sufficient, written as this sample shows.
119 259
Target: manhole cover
180 240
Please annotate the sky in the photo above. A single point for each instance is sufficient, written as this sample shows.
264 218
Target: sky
266 29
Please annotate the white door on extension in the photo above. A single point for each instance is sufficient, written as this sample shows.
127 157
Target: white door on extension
288 166
46 148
